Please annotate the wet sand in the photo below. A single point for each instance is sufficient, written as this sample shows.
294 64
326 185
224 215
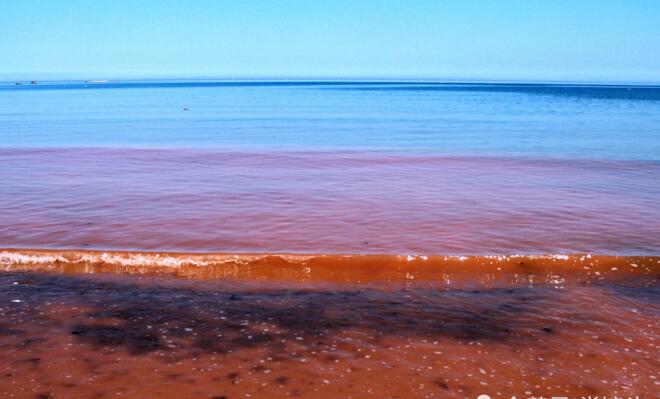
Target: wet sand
84 324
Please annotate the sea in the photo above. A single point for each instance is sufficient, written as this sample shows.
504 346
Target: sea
356 167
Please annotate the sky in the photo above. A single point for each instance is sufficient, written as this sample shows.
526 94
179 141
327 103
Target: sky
559 40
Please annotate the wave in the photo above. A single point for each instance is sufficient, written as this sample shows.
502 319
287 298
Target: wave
546 268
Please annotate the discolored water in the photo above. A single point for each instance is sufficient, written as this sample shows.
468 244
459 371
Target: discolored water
336 327
326 202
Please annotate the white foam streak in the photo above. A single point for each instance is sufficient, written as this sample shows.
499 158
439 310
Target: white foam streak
132 259
13 258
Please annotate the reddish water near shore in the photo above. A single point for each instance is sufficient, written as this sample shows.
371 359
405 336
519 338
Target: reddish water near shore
326 202
80 324
288 318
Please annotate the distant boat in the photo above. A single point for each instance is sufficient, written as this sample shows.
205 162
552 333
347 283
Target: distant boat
98 81
34 82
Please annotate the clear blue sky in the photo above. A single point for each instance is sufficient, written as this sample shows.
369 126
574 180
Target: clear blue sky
551 40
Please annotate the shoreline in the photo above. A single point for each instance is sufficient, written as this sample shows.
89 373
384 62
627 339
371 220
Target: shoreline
364 326
327 267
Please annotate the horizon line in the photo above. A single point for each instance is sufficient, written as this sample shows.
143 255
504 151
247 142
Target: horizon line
328 79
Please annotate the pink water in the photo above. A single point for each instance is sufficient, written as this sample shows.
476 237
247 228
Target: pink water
325 202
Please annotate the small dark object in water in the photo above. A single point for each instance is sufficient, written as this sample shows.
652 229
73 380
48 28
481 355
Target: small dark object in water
186 109
548 329
441 382
282 380
34 82
234 297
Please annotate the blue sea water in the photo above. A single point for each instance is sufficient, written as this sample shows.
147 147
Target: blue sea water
530 120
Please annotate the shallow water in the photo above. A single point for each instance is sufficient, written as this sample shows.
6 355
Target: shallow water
528 327
326 202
